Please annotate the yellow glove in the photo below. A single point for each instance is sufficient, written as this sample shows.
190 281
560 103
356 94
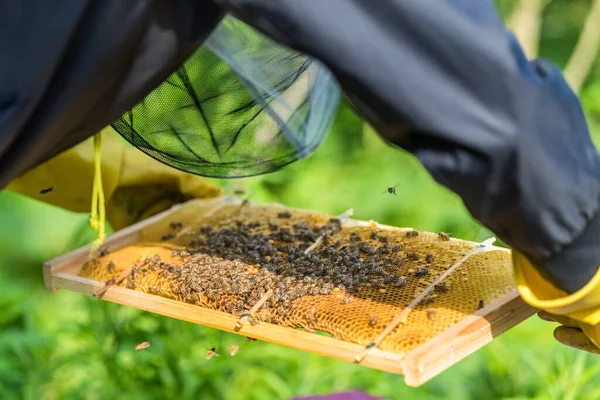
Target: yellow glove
135 185
578 313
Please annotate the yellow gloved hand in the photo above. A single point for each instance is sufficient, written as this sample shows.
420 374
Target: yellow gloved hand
578 313
135 185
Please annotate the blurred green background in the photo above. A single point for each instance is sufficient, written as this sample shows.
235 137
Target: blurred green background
66 346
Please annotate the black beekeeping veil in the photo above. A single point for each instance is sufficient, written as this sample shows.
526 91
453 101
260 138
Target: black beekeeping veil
241 105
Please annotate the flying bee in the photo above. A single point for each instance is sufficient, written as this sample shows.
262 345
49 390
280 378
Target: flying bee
141 346
47 190
211 353
391 190
234 349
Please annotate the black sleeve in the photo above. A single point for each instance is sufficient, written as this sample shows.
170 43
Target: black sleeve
445 81
68 68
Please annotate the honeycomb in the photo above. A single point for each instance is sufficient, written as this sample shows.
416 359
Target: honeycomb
351 284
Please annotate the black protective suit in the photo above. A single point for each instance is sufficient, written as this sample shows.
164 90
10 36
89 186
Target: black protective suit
442 79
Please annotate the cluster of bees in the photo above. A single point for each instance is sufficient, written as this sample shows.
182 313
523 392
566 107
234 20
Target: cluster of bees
231 266
286 265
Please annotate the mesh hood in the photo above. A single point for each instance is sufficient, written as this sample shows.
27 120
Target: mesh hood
241 105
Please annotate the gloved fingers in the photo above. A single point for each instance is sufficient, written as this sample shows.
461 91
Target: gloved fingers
545 316
575 338
561 319
592 332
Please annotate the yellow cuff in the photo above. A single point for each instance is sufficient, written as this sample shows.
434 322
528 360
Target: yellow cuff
582 306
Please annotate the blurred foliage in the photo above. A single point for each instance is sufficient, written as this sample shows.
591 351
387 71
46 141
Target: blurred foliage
66 346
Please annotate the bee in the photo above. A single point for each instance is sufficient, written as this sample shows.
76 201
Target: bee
230 307
206 230
373 320
253 321
141 346
391 190
111 267
480 305
382 239
284 215
154 289
427 300
47 190
234 349
130 283
431 314
168 236
211 353
397 248
441 287
429 258
444 236
411 234
310 315
413 256
400 282
346 300
421 272
251 339
176 225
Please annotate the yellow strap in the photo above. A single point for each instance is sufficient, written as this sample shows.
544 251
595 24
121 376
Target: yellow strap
98 215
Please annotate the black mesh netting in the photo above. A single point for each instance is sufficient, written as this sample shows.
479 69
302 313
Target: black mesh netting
241 105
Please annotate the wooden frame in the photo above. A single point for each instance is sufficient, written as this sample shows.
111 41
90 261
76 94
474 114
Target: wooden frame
418 366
